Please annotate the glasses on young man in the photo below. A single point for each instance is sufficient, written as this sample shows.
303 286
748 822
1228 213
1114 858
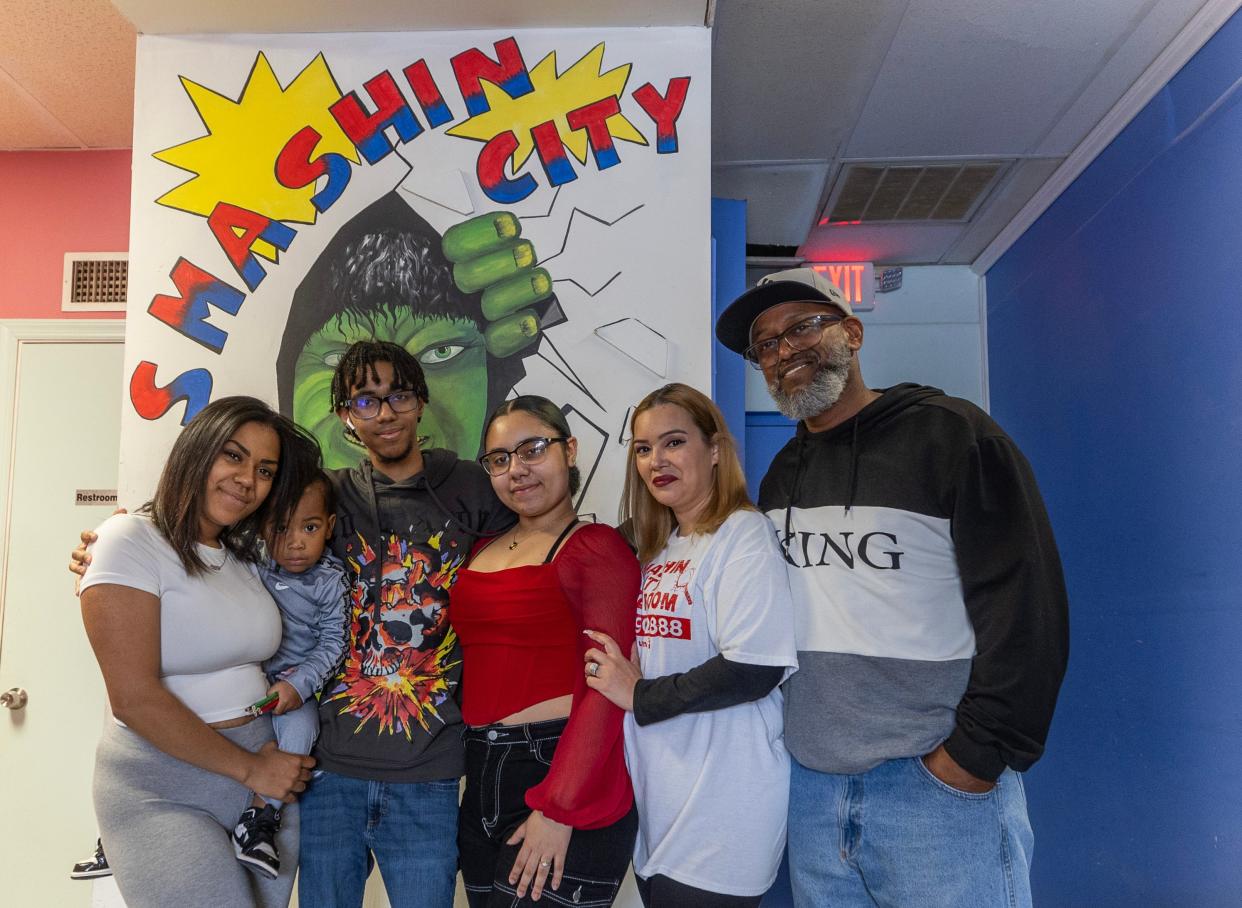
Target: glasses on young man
800 336
530 452
368 406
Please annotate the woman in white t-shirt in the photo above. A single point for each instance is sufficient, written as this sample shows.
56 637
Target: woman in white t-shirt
180 625
703 730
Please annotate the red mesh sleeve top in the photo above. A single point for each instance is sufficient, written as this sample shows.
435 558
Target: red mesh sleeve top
522 643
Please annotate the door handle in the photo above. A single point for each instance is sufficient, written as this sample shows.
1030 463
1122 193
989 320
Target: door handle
14 698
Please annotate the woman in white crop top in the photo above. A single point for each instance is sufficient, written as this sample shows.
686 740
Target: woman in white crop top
180 623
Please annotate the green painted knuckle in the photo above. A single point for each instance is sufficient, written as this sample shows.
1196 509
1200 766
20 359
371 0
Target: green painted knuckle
512 333
476 273
516 293
480 235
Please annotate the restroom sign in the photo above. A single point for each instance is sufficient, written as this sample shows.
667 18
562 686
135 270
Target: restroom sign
94 496
854 279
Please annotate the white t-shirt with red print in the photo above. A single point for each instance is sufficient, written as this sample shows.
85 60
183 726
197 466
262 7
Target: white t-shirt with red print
712 788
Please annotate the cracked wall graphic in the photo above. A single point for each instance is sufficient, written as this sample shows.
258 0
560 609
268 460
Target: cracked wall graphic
509 206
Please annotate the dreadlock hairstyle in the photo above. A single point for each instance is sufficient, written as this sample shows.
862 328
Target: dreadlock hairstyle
177 507
547 413
651 521
357 367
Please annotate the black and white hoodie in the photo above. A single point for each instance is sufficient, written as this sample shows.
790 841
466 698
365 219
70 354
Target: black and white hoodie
927 586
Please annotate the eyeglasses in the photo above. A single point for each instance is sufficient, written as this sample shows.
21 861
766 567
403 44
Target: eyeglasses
530 452
800 336
368 406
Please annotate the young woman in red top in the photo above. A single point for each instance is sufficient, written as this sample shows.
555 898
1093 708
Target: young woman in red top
548 803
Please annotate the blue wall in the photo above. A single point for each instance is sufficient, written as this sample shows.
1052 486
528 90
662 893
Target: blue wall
728 282
1115 360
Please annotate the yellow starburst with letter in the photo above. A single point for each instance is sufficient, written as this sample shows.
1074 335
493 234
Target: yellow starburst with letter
235 161
553 98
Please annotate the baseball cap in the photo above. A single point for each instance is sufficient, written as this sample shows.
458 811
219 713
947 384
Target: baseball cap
797 285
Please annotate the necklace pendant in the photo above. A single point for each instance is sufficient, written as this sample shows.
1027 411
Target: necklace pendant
513 545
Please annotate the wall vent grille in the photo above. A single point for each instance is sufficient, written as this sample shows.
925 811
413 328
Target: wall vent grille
911 193
95 282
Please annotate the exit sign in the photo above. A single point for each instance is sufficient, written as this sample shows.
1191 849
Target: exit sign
854 279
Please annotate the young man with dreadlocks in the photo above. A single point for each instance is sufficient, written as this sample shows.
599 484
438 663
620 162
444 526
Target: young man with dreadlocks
390 743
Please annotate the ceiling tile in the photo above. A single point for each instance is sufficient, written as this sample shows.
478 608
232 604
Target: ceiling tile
169 17
77 61
24 124
789 78
1133 54
979 77
780 198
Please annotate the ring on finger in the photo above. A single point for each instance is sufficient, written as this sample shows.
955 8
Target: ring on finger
545 864
593 669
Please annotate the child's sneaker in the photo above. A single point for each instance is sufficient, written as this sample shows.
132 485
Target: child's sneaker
95 867
254 839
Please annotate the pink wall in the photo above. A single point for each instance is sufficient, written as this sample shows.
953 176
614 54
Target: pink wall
53 202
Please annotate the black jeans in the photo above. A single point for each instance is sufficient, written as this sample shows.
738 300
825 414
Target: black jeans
502 762
662 892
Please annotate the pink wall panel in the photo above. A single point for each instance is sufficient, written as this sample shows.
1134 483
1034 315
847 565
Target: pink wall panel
53 202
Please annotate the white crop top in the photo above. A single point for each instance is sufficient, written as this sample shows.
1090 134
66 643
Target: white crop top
215 628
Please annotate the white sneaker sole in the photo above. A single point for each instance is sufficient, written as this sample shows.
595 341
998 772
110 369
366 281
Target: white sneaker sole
258 865
89 874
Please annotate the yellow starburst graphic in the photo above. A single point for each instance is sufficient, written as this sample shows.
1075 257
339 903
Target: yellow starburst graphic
554 97
235 161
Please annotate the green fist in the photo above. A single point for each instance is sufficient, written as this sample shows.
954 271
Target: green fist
488 254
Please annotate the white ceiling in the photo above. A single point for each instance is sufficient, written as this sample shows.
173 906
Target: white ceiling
800 88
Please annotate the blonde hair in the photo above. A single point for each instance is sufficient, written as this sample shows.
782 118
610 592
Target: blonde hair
652 522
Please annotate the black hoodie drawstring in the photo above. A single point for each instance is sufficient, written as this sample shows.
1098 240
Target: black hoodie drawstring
851 486
373 503
853 483
421 482
793 492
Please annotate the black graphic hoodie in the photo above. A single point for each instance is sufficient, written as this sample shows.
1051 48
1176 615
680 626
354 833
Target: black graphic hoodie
928 590
391 713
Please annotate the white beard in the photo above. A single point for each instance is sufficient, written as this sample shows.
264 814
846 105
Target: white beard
823 391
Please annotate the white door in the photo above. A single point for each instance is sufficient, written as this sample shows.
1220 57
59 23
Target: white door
60 400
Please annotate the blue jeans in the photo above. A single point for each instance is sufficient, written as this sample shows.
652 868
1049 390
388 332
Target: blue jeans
408 828
898 836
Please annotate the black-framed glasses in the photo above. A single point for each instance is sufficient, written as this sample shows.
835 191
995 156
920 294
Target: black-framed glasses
531 451
368 406
800 336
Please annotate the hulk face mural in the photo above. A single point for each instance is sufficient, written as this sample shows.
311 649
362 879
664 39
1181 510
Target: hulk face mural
468 320
453 358
296 193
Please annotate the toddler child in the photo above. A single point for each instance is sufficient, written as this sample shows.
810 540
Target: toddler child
309 587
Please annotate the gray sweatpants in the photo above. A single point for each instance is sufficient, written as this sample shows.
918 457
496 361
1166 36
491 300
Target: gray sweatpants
165 826
296 732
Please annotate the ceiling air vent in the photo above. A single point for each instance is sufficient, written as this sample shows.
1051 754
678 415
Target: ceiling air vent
910 193
95 282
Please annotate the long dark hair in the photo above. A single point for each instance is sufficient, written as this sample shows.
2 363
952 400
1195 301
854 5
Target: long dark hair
547 413
176 510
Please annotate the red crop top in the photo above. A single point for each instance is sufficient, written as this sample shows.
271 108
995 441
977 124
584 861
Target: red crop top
522 643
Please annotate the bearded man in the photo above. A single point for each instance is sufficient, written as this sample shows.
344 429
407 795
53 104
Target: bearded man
932 619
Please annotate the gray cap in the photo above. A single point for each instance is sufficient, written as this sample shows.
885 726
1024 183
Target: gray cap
797 285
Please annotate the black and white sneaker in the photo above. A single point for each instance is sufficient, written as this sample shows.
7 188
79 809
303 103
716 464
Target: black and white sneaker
95 867
254 839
